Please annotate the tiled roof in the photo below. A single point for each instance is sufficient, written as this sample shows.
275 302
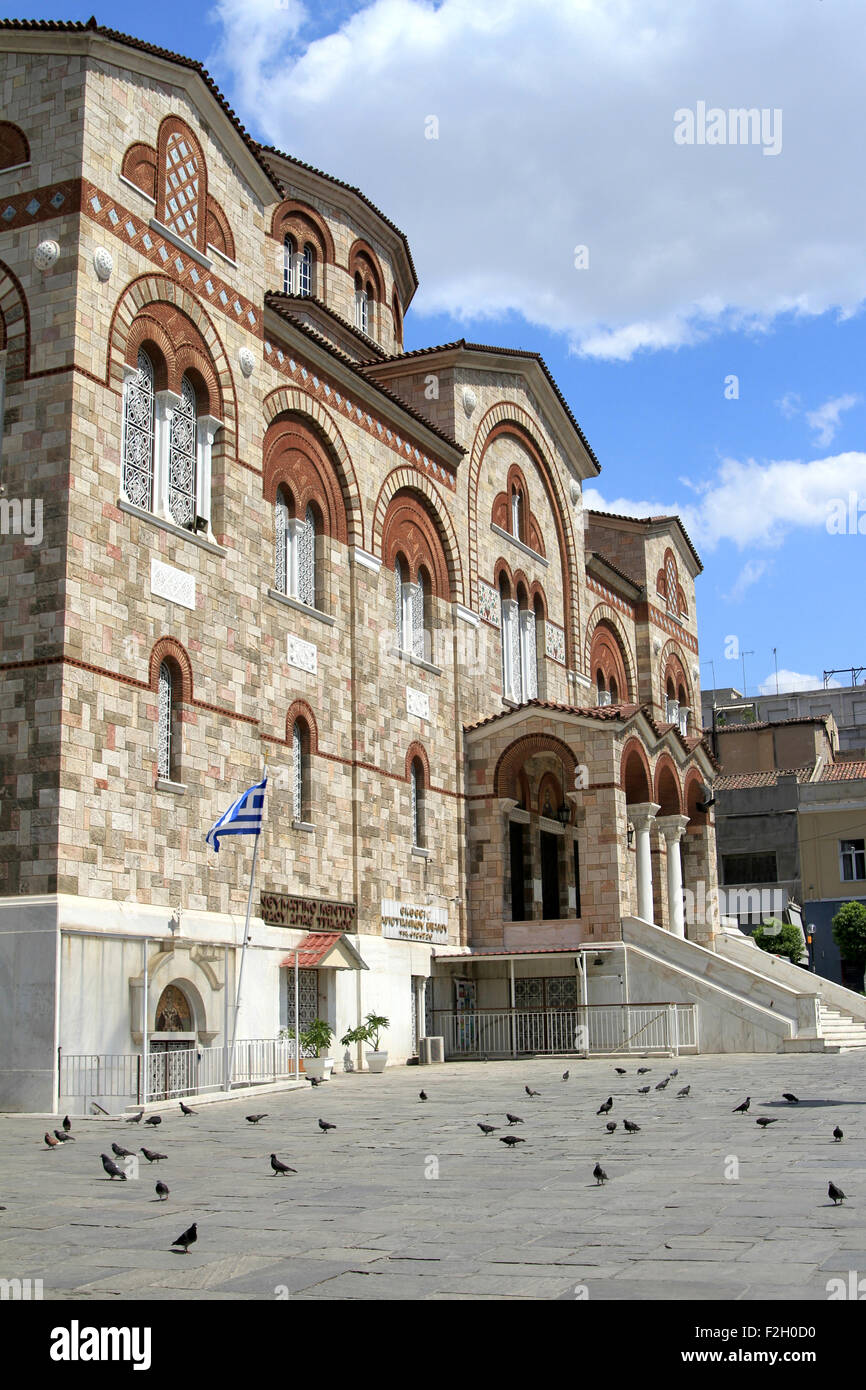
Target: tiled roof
649 521
58 26
313 950
745 781
773 723
843 772
350 188
462 345
603 712
300 301
606 560
274 301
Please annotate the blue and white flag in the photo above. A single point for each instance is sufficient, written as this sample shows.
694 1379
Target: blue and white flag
244 816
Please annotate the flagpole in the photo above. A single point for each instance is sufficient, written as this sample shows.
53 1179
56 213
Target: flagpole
231 1066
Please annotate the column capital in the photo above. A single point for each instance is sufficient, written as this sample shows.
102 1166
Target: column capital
641 813
672 827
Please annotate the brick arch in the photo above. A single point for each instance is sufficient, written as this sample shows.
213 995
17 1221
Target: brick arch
635 776
15 316
410 530
673 662
693 788
607 617
508 418
294 456
14 146
174 126
550 779
219 230
168 648
288 400
299 220
299 709
154 294
364 261
511 761
417 751
536 591
667 792
139 167
408 480
531 533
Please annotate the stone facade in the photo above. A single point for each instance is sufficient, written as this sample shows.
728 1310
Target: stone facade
405 459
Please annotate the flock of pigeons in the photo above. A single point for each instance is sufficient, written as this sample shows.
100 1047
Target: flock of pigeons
279 1168
114 1170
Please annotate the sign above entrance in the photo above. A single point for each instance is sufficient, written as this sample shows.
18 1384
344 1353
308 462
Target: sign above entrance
316 914
409 922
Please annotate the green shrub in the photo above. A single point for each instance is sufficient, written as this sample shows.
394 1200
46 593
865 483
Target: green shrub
849 932
780 939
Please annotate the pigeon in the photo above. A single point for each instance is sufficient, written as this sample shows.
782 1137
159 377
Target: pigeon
642 1071
643 1090
662 1084
675 1072
315 1080
630 1128
67 1123
120 1152
838 1134
513 1119
187 1238
486 1129
422 1095
152 1156
741 1109
254 1119
791 1099
565 1075
63 1138
620 1071
599 1174
185 1109
765 1120
153 1120
161 1191
610 1126
510 1140
836 1193
324 1126
51 1141
111 1168
607 1106
529 1091
683 1092
279 1167
134 1119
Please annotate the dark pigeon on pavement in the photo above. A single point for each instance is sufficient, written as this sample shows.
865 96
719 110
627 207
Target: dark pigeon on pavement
643 1090
134 1119
765 1120
790 1098
486 1129
161 1191
111 1168
630 1128
741 1109
529 1091
324 1126
63 1138
606 1107
510 1140
152 1156
838 1134
610 1126
153 1120
836 1193
599 1174
67 1123
187 1238
565 1076
280 1167
51 1141
254 1119
120 1152
683 1092
186 1110
513 1119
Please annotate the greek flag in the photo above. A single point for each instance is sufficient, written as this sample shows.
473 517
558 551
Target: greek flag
244 816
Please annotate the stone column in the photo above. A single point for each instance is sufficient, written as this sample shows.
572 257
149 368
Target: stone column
673 828
641 816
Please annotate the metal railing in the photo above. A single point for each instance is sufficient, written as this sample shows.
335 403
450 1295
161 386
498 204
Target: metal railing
587 1029
100 1077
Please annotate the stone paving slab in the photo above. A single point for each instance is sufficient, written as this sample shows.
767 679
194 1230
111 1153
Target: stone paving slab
408 1201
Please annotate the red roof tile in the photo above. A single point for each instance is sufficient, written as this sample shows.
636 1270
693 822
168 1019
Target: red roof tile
313 950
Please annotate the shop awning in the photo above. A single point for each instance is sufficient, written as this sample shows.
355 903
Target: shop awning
327 949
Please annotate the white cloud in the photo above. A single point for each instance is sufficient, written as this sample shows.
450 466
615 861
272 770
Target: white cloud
751 572
789 681
790 404
826 418
556 129
756 504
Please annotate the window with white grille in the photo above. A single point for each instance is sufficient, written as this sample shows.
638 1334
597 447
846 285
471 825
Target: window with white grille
138 435
416 790
528 654
362 311
294 553
281 544
288 265
305 271
511 684
398 604
164 717
298 773
182 458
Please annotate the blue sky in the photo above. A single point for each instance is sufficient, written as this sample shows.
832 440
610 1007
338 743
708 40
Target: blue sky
732 257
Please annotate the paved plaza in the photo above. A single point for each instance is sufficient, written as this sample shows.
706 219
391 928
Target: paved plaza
407 1200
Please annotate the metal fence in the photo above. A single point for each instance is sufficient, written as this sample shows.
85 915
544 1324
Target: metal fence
172 1074
588 1029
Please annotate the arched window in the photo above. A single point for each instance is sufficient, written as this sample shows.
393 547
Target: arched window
418 807
516 513
528 649
361 305
420 609
306 546
289 250
294 552
183 178
398 602
511 683
281 543
182 458
138 434
168 724
305 271
300 773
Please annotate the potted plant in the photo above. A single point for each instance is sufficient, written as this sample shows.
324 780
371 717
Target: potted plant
369 1031
316 1039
